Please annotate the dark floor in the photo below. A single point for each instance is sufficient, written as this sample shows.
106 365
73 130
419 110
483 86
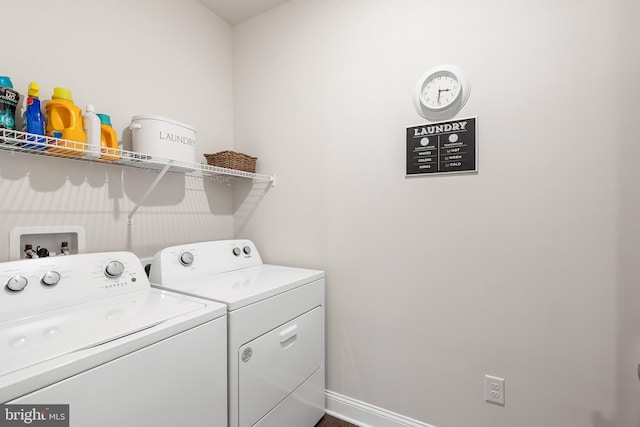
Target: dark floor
329 421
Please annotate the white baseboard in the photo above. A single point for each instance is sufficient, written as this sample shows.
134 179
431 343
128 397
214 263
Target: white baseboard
364 415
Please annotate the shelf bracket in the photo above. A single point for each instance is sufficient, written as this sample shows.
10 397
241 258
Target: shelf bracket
148 192
240 228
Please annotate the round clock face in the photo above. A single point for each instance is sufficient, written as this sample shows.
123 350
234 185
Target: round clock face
441 92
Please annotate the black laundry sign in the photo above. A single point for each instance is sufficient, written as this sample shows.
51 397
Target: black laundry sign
444 147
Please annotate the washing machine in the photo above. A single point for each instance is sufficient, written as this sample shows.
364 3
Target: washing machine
275 327
88 331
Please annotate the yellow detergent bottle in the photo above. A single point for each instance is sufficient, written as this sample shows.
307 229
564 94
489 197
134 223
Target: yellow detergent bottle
109 139
64 122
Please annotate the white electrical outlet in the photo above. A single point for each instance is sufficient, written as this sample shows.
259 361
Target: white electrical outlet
494 389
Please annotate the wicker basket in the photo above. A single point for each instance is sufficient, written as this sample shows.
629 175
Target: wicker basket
232 160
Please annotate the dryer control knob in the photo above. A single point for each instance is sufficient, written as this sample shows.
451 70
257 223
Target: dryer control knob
114 269
50 278
16 283
186 258
246 250
237 251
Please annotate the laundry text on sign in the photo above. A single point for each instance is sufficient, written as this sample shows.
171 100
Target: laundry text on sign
440 128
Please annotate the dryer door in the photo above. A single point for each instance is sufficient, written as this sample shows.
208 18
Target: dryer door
276 363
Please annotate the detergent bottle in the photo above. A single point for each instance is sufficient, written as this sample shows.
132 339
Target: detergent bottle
109 139
34 119
8 101
64 122
91 127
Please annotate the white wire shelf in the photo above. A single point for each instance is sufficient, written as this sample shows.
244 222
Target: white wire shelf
23 142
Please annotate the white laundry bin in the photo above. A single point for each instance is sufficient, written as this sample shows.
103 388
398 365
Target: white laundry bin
163 138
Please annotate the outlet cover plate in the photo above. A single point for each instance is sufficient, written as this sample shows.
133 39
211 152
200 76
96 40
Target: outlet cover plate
494 389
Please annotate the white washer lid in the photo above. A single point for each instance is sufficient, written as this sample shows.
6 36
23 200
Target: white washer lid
35 339
242 287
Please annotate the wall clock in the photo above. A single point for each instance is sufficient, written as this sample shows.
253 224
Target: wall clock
441 92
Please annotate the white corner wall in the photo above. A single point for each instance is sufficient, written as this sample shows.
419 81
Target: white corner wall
169 58
627 391
520 271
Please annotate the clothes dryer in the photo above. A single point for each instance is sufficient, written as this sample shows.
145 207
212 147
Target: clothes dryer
275 328
89 331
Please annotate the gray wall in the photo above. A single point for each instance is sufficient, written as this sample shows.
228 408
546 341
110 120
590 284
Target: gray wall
168 58
521 271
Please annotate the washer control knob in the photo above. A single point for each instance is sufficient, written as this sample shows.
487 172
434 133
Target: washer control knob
16 283
186 258
114 269
237 251
246 250
50 278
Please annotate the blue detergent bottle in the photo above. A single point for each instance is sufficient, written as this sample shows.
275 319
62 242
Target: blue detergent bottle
34 119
